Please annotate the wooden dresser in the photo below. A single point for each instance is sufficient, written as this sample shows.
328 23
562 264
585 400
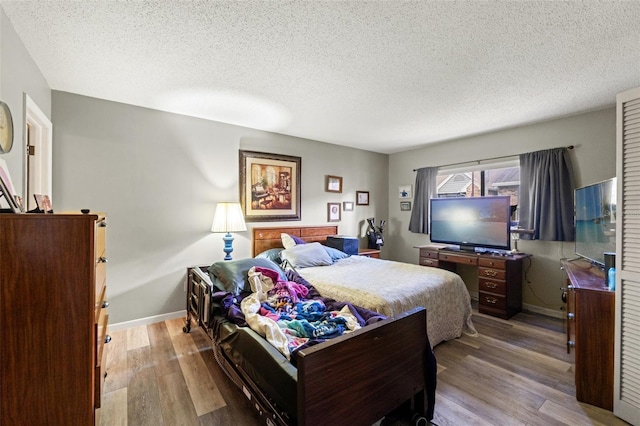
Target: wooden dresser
53 318
499 276
590 332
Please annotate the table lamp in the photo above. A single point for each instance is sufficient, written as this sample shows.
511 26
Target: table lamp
228 218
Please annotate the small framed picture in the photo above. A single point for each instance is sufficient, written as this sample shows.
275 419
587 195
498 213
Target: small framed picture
43 202
405 206
347 206
334 184
404 191
333 212
362 198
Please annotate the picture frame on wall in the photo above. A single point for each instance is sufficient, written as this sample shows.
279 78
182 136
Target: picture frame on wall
347 206
270 186
334 184
405 206
404 191
362 198
333 212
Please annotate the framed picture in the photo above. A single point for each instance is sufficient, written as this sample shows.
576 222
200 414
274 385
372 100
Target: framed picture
405 206
362 198
334 184
333 212
43 203
7 188
347 206
404 191
269 186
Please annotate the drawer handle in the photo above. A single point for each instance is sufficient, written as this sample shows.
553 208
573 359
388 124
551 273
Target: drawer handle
105 304
491 300
571 344
107 339
490 273
571 315
102 259
491 285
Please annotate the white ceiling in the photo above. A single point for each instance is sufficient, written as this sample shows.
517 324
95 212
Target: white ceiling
385 76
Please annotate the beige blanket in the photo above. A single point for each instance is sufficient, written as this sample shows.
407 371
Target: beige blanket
391 288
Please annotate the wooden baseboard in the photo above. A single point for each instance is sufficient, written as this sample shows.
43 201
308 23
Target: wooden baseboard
148 320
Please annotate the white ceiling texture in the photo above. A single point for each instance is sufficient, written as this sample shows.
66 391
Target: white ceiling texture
384 76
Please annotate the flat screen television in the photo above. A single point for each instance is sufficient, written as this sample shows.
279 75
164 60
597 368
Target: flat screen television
471 222
595 220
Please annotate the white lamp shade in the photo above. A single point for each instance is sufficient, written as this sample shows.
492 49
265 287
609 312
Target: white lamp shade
228 218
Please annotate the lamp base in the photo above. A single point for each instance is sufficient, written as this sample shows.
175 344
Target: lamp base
228 240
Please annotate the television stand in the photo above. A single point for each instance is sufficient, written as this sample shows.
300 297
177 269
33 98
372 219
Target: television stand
499 276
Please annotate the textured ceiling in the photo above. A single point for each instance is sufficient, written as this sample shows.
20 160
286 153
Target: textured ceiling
385 76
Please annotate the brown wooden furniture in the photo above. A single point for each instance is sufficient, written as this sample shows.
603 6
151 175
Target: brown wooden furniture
590 331
499 276
53 318
369 253
268 238
364 363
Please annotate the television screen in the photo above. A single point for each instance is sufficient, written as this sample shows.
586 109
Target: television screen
595 220
472 222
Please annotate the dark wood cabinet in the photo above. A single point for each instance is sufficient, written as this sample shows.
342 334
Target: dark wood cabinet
499 276
590 332
53 318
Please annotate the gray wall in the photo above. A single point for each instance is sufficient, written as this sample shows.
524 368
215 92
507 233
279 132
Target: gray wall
19 75
594 159
159 176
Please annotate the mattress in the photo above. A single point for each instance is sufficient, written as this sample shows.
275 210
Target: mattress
390 288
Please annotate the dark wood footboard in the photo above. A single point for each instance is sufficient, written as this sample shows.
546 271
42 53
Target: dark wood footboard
361 377
357 378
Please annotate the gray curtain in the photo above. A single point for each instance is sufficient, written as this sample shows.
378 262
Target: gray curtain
425 189
546 195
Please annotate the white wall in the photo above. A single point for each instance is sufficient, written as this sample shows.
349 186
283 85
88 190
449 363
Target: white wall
19 75
159 176
593 135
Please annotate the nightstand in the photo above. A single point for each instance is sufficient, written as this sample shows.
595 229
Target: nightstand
369 252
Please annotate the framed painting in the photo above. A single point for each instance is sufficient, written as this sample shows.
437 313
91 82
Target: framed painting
404 191
347 206
333 212
269 186
334 184
405 206
362 198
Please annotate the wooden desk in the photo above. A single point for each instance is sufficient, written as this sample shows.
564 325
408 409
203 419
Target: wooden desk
590 332
499 276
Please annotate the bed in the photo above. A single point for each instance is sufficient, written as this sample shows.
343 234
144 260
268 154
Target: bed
386 368
365 281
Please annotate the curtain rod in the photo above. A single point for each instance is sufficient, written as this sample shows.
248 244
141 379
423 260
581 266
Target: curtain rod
488 159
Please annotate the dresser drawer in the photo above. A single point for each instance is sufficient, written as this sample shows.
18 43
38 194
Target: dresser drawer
426 261
490 262
492 301
497 274
458 258
492 286
100 356
430 253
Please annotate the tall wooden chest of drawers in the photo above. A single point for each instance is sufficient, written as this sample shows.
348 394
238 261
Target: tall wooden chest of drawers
53 318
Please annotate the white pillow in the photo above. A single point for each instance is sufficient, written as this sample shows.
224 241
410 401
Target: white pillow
287 241
306 255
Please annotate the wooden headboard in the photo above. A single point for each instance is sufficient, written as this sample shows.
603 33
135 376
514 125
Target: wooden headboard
268 238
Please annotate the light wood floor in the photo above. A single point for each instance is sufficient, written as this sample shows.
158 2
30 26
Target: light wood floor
515 372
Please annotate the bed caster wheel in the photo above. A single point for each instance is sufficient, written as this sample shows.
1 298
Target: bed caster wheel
187 327
418 420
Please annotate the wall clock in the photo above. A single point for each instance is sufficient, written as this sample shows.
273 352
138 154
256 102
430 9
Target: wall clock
6 128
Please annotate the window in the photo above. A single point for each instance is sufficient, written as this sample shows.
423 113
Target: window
501 178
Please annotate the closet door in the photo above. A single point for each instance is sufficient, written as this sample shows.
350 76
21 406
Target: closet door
626 398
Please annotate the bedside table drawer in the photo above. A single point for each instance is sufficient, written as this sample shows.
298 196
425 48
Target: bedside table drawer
492 286
433 254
